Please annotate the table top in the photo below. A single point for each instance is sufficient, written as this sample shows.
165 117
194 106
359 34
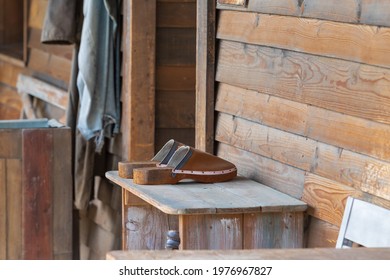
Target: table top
240 195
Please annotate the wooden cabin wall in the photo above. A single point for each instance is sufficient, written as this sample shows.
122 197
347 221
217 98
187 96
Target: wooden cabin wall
302 101
175 71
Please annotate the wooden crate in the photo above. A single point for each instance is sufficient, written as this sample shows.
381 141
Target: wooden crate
35 193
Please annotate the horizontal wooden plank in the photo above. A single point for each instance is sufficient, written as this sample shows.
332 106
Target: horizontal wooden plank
10 103
371 12
42 90
34 41
282 177
9 73
176 46
175 109
175 78
359 43
181 14
356 134
352 169
346 87
57 67
321 234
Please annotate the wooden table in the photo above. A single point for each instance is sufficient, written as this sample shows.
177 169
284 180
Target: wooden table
239 214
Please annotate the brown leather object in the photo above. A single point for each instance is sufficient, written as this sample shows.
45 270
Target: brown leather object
125 168
187 163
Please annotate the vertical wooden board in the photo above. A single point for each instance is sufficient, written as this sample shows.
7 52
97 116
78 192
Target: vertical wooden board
146 228
176 14
37 193
211 232
3 210
37 13
273 230
321 234
138 89
205 76
62 193
14 209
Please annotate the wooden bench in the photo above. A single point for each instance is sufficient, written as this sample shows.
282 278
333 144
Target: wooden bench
239 214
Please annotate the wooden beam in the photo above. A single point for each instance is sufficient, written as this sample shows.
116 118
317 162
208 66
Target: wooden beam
205 68
138 92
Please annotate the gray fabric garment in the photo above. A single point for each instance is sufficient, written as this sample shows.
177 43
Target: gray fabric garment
60 23
96 82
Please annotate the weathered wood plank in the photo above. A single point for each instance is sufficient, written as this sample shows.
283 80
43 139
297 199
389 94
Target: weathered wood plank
14 209
348 11
205 72
180 14
282 7
321 234
37 194
176 46
346 87
215 232
10 104
282 177
43 90
138 90
37 13
375 12
3 210
9 73
175 77
62 193
11 141
273 230
359 43
175 109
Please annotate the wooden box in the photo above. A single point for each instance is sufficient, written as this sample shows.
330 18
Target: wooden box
35 192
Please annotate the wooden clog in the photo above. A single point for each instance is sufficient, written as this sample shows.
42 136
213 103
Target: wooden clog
125 168
187 163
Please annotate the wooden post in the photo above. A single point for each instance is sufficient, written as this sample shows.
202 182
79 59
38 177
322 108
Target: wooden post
138 92
205 71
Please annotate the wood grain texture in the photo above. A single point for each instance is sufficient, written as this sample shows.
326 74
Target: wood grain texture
138 89
14 209
375 12
282 177
175 77
359 43
346 87
205 72
10 104
3 210
321 234
9 73
212 232
11 141
273 230
37 194
62 194
180 14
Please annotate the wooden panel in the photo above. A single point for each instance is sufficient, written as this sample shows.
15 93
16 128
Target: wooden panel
37 13
175 78
347 11
138 90
9 73
10 140
322 234
34 41
10 104
176 46
283 7
12 17
57 67
14 209
37 194
326 198
353 42
3 210
282 177
215 232
346 87
288 148
183 135
273 230
205 71
375 12
176 14
146 228
232 2
62 194
175 109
